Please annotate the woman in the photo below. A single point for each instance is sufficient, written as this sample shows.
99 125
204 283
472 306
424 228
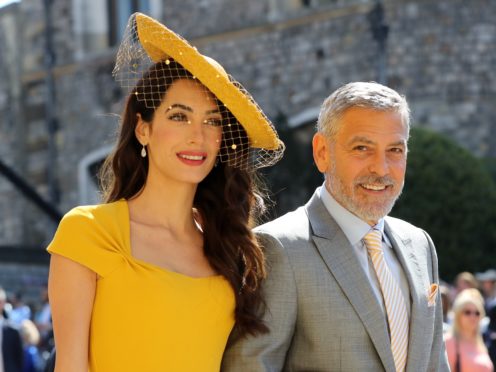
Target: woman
30 338
154 279
464 344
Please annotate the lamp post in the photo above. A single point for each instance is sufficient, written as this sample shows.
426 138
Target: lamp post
380 31
50 117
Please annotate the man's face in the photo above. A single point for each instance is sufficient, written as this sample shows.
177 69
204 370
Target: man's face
488 287
365 163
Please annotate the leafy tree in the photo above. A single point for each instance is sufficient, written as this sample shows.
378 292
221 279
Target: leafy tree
450 194
490 164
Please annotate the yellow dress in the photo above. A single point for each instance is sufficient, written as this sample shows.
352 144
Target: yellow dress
145 318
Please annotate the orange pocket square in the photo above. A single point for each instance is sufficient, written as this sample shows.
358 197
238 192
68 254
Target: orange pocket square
432 295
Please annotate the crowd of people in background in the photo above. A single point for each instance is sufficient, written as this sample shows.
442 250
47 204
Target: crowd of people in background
27 335
469 306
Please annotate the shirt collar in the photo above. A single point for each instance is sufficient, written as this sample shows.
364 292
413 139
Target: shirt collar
353 227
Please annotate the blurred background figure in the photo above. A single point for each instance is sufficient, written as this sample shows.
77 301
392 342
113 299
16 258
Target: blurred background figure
487 285
10 341
43 321
20 311
463 281
487 282
490 335
464 344
446 302
30 338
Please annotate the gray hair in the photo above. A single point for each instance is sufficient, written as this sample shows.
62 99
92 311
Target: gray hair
360 94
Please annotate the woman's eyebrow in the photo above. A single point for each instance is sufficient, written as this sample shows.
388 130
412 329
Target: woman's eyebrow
179 105
189 109
214 111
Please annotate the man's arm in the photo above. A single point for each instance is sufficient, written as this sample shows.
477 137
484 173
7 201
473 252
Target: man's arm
267 352
438 360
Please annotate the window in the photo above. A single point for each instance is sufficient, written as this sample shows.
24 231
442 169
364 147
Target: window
278 9
87 175
118 15
99 25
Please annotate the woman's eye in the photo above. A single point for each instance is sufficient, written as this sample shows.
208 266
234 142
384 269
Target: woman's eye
215 122
178 116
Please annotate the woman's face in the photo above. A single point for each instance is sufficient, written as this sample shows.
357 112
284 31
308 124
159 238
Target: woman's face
184 137
469 317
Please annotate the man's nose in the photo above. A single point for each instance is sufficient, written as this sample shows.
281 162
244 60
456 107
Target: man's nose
379 164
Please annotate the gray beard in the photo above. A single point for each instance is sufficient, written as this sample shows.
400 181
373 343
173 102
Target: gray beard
366 211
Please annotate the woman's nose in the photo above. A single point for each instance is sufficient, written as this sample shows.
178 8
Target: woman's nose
196 134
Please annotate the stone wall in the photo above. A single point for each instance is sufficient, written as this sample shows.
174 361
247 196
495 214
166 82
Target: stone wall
289 54
443 56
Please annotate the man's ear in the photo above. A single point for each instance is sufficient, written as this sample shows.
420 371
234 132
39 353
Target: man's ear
142 130
321 152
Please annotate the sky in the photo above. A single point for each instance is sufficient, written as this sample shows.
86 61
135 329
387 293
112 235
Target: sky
7 2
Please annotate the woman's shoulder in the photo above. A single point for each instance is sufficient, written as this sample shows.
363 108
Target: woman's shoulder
92 235
85 215
449 337
449 340
97 210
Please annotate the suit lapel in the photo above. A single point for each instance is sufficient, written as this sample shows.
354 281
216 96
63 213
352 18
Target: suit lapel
344 266
409 262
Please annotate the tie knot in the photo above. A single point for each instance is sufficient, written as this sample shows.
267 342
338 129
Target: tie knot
373 240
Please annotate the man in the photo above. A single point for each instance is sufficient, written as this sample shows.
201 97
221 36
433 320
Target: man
11 356
348 288
20 311
487 284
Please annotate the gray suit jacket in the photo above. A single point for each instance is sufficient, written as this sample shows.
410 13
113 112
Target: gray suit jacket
321 309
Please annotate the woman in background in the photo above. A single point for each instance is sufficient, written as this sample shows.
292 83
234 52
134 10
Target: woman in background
464 343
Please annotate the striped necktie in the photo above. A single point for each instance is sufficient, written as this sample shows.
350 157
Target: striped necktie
393 299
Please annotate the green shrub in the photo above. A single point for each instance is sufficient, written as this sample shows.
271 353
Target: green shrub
450 194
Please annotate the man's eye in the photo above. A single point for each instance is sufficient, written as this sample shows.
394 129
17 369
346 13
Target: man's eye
215 122
397 150
360 148
178 116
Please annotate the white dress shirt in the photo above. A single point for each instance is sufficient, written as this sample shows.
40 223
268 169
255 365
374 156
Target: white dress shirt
355 230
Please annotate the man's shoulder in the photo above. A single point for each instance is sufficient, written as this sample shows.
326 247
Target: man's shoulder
289 232
9 328
293 223
285 239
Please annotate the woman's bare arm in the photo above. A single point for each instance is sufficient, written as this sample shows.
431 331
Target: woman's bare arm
71 289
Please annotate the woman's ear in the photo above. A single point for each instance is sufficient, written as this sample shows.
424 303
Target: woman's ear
142 130
321 152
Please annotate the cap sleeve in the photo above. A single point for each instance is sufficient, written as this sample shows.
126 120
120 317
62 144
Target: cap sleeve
90 236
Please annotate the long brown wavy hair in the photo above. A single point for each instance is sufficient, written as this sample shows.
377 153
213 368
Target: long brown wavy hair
227 200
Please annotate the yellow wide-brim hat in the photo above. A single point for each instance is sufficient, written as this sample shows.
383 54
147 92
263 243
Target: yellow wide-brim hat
161 44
